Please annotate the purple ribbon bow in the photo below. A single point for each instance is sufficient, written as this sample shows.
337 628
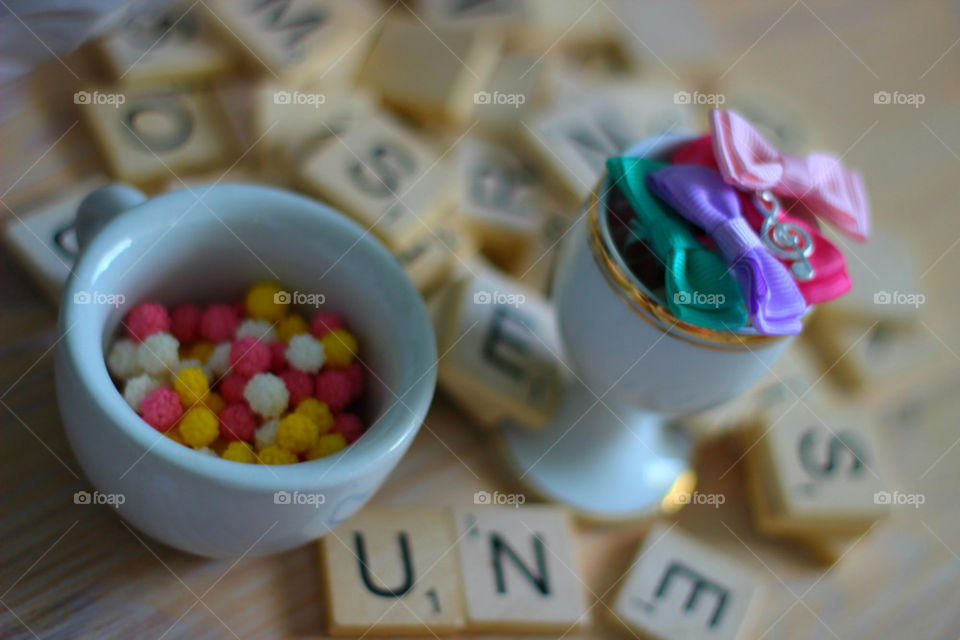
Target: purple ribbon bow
700 195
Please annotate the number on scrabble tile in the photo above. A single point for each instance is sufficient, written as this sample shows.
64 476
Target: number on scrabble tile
392 572
519 569
815 471
458 64
289 38
501 346
155 134
679 588
382 176
176 45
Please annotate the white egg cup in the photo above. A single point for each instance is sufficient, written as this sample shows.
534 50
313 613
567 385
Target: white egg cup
611 451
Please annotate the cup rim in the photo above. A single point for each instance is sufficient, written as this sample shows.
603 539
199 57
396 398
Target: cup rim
82 343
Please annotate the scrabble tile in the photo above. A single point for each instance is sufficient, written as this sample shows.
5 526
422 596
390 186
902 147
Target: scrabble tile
289 121
570 23
392 571
814 470
519 570
43 239
176 45
157 133
380 174
497 15
429 256
876 360
886 287
458 64
519 85
290 39
499 201
679 588
500 345
574 138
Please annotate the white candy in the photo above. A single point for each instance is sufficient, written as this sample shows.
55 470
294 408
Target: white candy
267 395
259 329
158 354
207 451
122 359
305 353
266 435
138 388
219 361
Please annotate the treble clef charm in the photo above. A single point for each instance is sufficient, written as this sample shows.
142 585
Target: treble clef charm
785 240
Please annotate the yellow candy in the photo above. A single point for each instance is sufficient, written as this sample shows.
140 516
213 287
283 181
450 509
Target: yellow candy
199 427
297 433
317 411
239 452
191 385
275 454
215 402
326 445
267 301
292 325
174 434
339 347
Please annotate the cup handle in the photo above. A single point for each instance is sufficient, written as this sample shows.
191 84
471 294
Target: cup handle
102 205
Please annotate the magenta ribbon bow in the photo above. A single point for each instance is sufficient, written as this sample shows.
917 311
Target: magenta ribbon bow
818 182
830 278
701 196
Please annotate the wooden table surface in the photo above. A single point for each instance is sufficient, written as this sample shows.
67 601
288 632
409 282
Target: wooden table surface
71 571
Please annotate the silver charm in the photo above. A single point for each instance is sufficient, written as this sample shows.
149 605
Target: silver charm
785 240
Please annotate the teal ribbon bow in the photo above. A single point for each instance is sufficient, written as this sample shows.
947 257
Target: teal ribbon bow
700 289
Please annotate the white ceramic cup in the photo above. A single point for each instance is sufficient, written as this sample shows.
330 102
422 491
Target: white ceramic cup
211 244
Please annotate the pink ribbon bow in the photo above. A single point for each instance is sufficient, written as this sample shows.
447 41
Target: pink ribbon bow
818 183
830 278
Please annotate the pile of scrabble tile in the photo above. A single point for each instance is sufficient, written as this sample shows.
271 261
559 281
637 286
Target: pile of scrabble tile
465 135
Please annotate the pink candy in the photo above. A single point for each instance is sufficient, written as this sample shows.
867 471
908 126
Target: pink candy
249 356
185 322
333 387
145 319
231 388
299 385
356 374
278 357
324 322
348 425
161 408
219 322
237 422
